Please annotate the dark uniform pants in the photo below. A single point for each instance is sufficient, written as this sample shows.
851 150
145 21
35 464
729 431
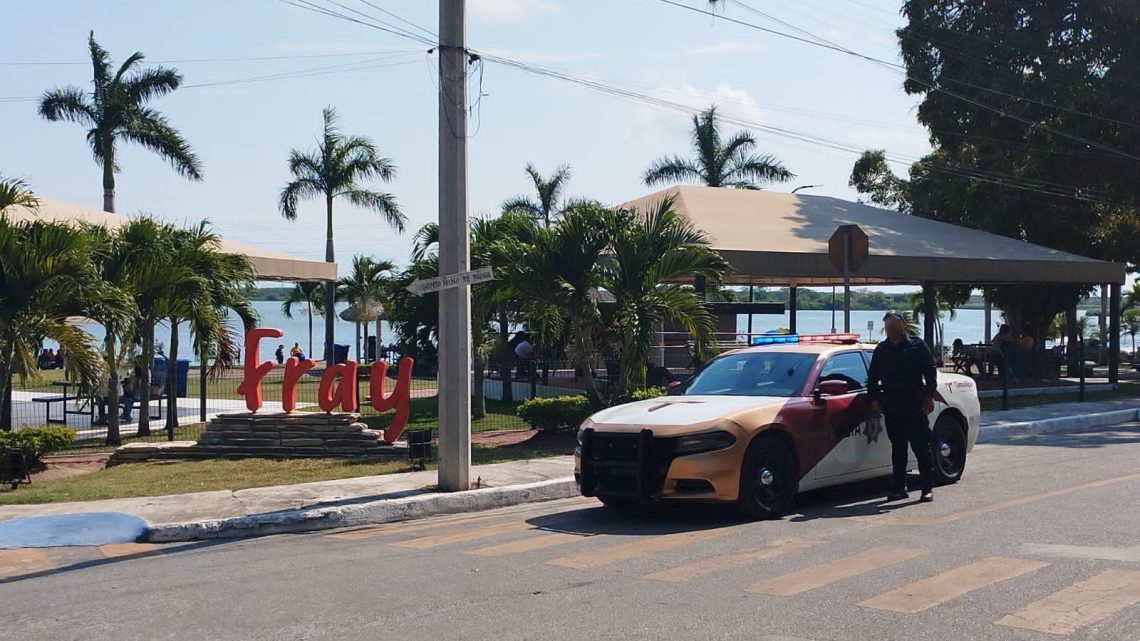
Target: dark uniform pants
910 427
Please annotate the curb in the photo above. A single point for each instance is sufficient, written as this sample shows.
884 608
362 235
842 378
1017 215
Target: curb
371 513
989 433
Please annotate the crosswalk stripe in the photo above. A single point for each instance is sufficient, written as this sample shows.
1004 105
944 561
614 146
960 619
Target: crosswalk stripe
21 561
823 574
705 567
927 593
403 527
634 549
111 550
436 540
1079 605
527 545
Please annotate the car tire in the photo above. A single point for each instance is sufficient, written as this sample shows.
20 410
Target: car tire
948 449
769 480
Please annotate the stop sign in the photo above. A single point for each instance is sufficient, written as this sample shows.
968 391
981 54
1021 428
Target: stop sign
859 248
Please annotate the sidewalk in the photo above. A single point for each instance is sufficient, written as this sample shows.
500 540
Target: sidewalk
376 499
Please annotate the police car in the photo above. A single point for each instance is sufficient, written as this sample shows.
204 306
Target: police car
758 425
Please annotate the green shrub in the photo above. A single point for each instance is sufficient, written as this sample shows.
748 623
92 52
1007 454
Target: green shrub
37 442
647 393
552 414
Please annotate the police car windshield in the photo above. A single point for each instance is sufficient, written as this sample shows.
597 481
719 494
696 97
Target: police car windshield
762 373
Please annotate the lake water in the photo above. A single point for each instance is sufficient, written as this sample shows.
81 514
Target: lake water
969 325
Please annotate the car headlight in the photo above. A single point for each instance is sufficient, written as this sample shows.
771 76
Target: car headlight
704 442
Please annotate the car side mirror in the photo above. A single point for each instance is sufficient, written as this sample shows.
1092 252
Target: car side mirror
831 388
674 388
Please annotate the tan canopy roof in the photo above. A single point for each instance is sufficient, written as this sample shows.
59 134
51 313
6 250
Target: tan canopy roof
269 264
782 239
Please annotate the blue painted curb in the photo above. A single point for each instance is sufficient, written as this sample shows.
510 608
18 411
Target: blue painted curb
83 528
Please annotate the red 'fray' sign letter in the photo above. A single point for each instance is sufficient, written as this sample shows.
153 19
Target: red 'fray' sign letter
345 393
250 386
400 398
294 369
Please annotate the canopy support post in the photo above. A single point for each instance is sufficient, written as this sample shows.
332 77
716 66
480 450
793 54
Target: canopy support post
1113 333
928 314
792 308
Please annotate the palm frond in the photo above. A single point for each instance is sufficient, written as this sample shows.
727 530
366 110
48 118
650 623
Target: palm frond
151 83
671 171
67 103
151 130
379 202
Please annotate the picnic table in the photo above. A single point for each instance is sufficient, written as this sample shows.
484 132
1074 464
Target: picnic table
84 405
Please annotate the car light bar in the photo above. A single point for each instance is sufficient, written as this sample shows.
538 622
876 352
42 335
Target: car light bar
784 339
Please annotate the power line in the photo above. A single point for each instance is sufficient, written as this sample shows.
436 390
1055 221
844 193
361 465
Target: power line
819 42
1053 189
212 60
377 24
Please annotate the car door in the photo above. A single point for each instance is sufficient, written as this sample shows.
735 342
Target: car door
843 417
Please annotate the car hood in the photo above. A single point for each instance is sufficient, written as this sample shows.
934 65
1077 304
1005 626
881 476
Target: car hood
680 411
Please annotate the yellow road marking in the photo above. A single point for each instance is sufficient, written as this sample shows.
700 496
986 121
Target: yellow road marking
126 549
402 527
528 545
21 561
1004 505
823 574
436 540
634 549
705 567
927 593
1080 605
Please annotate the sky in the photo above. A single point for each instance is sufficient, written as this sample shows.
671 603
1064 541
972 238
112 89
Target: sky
384 87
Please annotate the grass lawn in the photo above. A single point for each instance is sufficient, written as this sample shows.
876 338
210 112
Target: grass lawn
180 477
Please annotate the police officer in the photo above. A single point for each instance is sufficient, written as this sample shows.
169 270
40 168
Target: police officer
902 382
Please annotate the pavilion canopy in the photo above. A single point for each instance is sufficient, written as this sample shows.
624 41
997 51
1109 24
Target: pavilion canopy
269 264
773 238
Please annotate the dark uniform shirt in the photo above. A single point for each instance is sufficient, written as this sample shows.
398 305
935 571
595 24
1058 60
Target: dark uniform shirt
902 375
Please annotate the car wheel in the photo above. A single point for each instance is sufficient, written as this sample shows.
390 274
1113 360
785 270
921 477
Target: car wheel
948 446
768 479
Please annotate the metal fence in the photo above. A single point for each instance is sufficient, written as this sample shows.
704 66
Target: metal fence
50 400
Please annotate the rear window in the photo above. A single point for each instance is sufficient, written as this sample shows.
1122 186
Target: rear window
753 374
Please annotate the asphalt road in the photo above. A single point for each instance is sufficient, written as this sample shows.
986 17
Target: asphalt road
1041 540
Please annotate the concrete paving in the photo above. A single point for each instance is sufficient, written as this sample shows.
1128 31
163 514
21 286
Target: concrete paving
325 504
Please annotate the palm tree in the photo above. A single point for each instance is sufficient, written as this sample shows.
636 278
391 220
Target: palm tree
555 273
46 275
312 295
367 289
488 299
150 276
116 111
15 193
549 191
205 301
334 170
1130 321
717 164
652 250
1132 297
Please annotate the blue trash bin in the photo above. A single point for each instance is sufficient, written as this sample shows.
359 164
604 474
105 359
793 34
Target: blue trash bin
182 373
340 353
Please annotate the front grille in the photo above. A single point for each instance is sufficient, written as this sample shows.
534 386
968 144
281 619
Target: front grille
624 464
615 447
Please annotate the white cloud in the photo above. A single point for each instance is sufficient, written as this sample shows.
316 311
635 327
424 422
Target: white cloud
652 125
510 10
724 48
543 57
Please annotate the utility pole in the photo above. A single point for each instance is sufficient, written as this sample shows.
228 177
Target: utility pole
454 302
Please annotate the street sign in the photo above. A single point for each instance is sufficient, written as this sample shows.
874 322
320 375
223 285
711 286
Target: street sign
859 247
419 287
